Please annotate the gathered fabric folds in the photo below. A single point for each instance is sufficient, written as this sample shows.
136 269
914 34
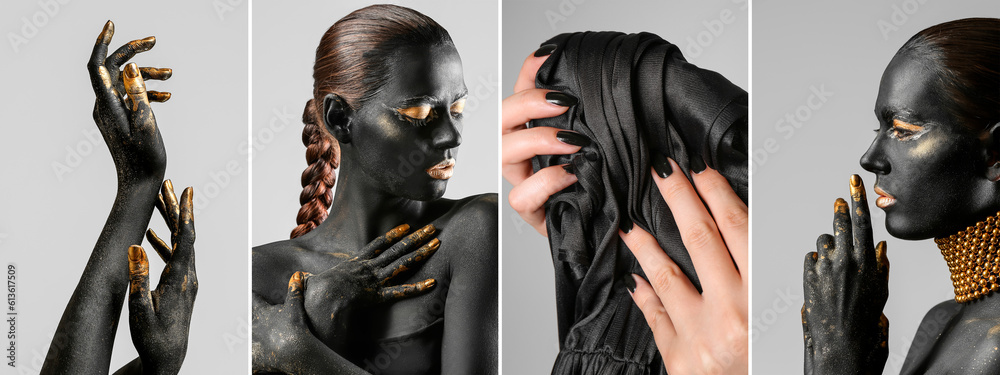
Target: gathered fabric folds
637 95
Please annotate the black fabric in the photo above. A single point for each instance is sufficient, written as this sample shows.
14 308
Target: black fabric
637 96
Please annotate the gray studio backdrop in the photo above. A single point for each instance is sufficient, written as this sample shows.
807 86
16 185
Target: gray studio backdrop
817 67
712 34
284 48
58 180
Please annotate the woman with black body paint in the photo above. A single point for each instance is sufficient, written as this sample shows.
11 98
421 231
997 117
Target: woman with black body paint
388 99
936 157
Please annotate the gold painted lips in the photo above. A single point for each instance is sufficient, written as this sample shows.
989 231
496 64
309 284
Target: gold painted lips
884 199
442 170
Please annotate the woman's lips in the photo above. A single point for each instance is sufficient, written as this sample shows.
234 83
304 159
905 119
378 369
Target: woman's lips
884 199
442 170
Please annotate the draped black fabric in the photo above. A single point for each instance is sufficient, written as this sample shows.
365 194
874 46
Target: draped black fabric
637 96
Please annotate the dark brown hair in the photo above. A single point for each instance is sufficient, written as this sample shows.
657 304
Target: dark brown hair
352 61
966 57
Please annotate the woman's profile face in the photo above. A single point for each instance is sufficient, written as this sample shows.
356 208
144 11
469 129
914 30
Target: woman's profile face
930 169
407 135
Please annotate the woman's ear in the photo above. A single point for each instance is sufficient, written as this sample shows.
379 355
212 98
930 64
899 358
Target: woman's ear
993 152
337 117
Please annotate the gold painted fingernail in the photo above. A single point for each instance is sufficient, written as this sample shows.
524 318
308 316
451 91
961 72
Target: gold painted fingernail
398 232
295 282
857 190
137 260
429 229
131 71
855 180
167 185
429 283
434 244
840 206
106 33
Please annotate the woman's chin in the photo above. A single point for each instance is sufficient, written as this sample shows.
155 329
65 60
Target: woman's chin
906 229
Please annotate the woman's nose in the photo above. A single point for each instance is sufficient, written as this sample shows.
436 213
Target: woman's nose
874 159
448 134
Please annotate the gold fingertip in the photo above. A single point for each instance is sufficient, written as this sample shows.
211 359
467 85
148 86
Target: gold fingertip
295 282
840 206
398 232
168 186
158 96
131 71
429 229
855 181
857 188
434 244
107 33
138 263
429 283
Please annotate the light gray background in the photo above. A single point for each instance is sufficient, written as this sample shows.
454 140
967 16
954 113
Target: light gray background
50 222
530 336
836 46
284 48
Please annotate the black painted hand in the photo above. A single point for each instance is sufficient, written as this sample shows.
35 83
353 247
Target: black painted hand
127 124
846 286
335 296
159 320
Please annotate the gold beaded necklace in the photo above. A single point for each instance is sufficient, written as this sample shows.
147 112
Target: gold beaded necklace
973 259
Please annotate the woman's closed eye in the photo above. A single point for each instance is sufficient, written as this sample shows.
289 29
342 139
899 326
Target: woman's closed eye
457 107
905 131
417 115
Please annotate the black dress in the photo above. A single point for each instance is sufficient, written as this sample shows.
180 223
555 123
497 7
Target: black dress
637 96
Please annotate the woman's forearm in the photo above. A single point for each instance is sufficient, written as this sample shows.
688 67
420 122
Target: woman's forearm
85 335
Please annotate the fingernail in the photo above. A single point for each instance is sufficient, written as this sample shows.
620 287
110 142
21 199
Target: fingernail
428 229
625 224
629 282
134 253
131 71
660 164
573 138
434 244
696 164
429 283
569 168
148 42
840 206
560 99
857 192
545 50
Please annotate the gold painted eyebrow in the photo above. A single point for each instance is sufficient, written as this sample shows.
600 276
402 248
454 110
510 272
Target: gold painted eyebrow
896 123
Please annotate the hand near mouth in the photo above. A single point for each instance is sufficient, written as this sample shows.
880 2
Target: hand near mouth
846 285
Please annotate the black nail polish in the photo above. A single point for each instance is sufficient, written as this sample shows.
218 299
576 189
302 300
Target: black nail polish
545 50
696 164
560 99
569 168
629 282
625 224
660 164
573 138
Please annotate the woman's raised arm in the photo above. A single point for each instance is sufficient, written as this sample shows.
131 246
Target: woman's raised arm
84 337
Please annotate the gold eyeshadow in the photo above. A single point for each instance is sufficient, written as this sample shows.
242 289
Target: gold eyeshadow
419 112
896 123
458 106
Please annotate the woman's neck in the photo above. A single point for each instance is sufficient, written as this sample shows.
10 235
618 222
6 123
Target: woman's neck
362 211
973 257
